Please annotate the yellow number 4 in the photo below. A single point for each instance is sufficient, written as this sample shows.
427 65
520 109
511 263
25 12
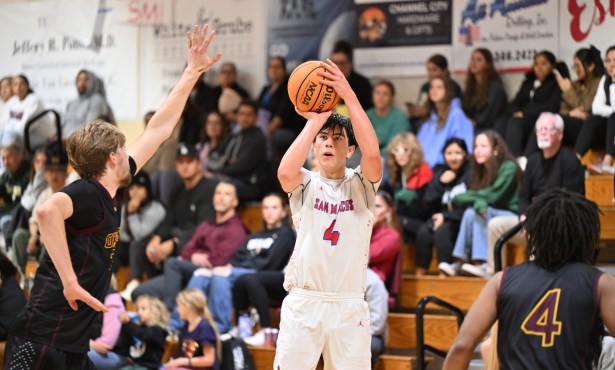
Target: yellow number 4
542 320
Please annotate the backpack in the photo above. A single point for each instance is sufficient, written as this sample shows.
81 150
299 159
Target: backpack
236 356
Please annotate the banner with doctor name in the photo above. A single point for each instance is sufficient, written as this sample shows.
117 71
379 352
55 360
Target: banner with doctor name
513 30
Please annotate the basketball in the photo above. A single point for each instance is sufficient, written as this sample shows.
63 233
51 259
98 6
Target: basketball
307 92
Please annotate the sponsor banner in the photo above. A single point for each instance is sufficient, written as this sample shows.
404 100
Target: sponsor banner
39 43
513 30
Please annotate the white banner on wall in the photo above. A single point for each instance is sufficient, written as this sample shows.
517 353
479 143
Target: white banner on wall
513 30
583 23
240 35
35 43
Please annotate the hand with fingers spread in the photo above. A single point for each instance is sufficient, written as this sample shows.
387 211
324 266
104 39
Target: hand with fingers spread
73 292
197 50
335 78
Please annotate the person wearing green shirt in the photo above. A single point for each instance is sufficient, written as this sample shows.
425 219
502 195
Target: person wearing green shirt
493 186
387 119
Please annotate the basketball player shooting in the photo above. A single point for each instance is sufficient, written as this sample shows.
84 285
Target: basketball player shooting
80 227
325 311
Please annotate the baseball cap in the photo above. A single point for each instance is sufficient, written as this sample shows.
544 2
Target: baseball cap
187 150
142 178
56 160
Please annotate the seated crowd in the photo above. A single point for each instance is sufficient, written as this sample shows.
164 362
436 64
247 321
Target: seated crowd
460 170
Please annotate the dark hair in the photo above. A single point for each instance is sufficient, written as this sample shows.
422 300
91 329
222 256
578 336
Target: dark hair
386 83
344 47
549 56
561 227
248 103
484 175
23 77
588 57
394 222
439 60
7 269
611 48
455 140
335 121
476 91
281 59
225 127
283 202
449 95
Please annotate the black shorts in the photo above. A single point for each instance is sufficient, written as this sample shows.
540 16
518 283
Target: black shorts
22 354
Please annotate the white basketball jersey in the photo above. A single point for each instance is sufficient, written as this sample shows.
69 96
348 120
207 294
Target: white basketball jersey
334 220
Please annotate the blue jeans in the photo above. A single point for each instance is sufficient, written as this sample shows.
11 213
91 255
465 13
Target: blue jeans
110 361
472 242
218 290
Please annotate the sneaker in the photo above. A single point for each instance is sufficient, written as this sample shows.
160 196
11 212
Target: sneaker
257 339
450 269
481 270
130 287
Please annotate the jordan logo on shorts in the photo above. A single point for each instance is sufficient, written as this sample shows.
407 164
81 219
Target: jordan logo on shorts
360 323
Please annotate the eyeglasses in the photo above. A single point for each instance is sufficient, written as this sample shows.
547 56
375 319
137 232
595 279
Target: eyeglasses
546 129
401 150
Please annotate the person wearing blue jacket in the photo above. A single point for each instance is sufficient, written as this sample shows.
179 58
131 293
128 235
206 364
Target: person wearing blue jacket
447 120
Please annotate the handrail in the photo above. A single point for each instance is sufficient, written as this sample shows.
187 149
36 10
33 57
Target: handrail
499 244
420 328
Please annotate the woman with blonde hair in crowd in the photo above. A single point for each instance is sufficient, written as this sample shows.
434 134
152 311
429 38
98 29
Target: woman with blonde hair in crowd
408 175
446 120
484 99
492 191
199 340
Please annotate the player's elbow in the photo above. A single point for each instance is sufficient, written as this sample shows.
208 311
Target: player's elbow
285 174
44 212
462 347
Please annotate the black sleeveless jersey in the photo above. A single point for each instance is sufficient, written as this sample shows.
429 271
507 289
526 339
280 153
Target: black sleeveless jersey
92 232
548 320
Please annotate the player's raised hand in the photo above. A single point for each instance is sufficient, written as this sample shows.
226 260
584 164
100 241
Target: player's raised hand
74 292
335 78
316 117
198 43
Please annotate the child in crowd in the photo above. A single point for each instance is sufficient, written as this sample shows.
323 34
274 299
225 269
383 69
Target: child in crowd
199 340
142 338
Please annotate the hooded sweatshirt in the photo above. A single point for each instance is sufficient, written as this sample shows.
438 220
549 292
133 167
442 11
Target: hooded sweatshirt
86 107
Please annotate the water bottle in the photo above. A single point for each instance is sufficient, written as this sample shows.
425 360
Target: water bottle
245 325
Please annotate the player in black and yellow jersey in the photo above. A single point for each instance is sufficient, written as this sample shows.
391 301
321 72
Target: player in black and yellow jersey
79 227
550 310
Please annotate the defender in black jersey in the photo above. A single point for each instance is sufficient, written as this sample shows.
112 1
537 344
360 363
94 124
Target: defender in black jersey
550 310
80 228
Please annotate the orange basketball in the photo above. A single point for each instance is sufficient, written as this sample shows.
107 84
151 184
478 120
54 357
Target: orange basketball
307 92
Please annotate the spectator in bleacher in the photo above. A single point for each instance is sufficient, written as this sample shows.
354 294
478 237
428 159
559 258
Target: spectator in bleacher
191 123
214 132
199 341
13 181
377 298
408 177
441 229
538 93
578 96
6 91
140 345
12 298
343 55
387 119
190 204
485 99
90 103
267 250
100 348
277 114
446 120
163 159
436 66
26 241
492 192
212 244
142 213
601 124
244 156
385 242
22 106
552 167
227 78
